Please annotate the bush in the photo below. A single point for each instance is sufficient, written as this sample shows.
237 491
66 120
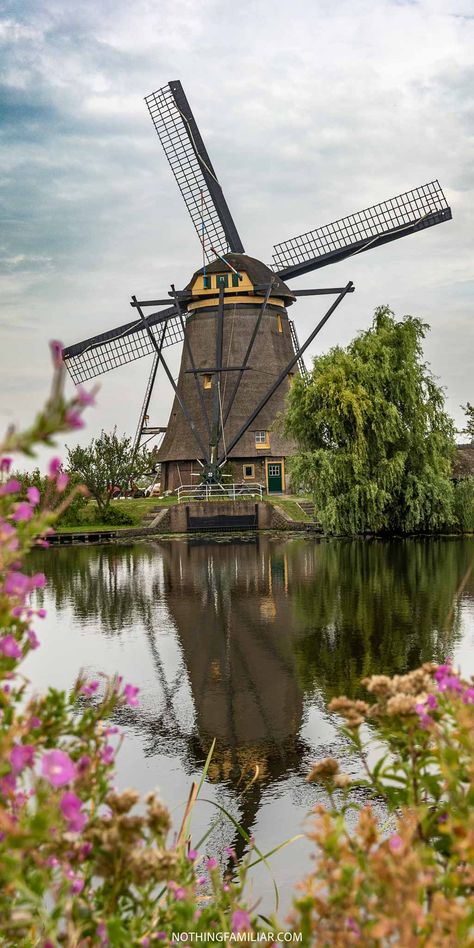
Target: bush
464 504
114 515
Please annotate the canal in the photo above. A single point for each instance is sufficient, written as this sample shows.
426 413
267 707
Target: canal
246 639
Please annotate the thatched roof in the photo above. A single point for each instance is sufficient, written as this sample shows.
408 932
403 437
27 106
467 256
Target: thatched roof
463 461
257 271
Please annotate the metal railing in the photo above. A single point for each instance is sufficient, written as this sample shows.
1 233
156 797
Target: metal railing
218 491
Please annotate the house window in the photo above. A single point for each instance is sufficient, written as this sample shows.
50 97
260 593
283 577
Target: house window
222 280
236 278
249 472
207 282
262 439
207 381
279 323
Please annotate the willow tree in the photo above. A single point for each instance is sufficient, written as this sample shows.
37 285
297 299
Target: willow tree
375 443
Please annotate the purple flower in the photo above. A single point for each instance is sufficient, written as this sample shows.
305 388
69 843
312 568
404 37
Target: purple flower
240 921
38 580
16 584
33 639
34 723
41 613
396 843
424 719
11 487
432 702
77 885
201 880
230 851
86 850
130 694
5 465
83 763
33 495
56 352
9 647
211 863
23 512
192 855
70 807
107 755
54 468
58 768
73 419
61 482
84 397
21 756
353 927
90 688
145 942
468 696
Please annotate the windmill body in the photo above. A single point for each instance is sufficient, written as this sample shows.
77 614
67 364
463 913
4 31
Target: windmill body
259 456
240 349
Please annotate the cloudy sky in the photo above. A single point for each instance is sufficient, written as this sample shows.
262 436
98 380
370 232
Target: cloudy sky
310 109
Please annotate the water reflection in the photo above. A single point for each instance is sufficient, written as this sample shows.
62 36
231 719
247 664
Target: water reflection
263 631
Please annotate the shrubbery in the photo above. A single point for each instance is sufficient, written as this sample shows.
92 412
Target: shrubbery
464 504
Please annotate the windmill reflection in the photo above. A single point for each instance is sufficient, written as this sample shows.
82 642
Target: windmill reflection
245 634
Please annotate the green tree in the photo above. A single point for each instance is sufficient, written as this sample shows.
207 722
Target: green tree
108 462
469 429
376 444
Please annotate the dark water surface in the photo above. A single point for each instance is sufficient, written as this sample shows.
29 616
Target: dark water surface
246 640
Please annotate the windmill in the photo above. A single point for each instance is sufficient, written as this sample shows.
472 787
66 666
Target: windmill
240 349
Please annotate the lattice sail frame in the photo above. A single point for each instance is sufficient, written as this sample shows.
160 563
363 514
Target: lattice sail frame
195 176
413 210
100 354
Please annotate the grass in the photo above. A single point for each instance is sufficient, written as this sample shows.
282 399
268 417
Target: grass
138 508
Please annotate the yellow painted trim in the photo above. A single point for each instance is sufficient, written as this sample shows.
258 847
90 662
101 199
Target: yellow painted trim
275 461
263 445
248 477
207 381
247 300
279 323
198 286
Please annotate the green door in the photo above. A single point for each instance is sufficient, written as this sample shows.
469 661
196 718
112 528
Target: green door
275 478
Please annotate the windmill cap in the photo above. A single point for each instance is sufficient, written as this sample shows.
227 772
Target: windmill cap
259 274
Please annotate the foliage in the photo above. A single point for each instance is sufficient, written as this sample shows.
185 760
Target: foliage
469 429
412 884
376 444
464 504
79 865
107 463
74 512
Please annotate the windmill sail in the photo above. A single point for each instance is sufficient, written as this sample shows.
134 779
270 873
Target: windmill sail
99 354
190 163
402 215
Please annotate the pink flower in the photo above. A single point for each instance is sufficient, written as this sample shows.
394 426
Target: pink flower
240 921
54 467
33 639
77 885
38 580
58 768
34 723
56 352
130 694
107 754
16 584
41 613
353 927
73 419
70 807
90 688
61 482
23 512
9 647
396 843
432 702
468 696
85 850
5 465
83 396
211 863
34 496
83 763
192 855
21 756
11 487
